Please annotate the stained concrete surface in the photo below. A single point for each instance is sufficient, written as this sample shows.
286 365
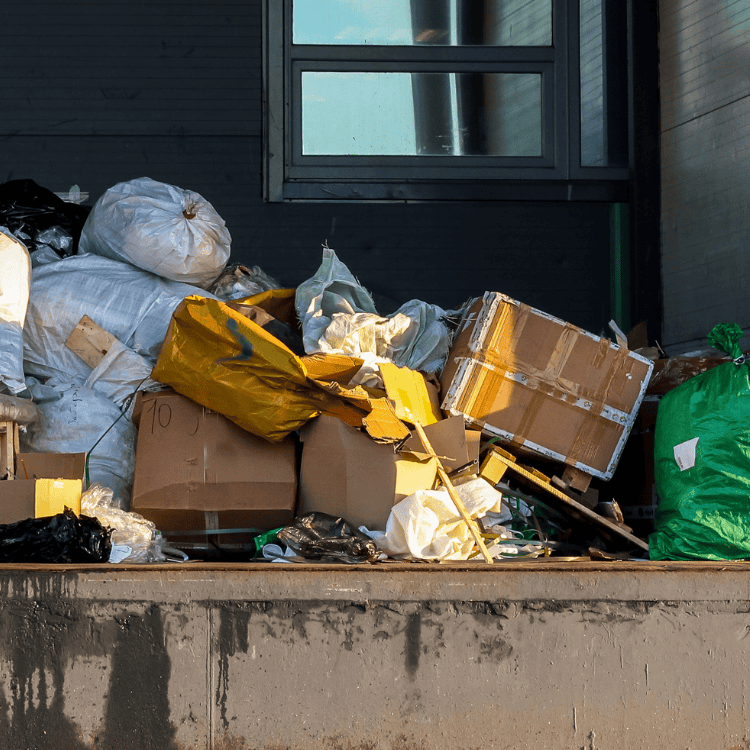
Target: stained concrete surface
558 655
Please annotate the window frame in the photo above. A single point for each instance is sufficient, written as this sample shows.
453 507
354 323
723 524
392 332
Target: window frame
288 175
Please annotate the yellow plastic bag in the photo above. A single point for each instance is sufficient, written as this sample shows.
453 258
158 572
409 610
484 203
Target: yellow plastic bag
225 362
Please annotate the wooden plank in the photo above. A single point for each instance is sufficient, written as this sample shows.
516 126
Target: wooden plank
460 507
90 341
576 479
8 449
570 504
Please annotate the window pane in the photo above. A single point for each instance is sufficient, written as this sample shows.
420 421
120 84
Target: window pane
604 99
421 114
423 22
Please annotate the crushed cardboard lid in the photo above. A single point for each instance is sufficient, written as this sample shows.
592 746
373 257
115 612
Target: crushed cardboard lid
384 414
382 424
413 398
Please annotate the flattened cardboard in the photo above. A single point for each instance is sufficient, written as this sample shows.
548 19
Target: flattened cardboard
90 341
412 400
346 473
356 405
190 460
18 498
544 385
448 441
339 368
382 423
50 465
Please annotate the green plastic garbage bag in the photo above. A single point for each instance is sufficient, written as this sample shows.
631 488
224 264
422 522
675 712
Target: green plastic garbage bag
702 462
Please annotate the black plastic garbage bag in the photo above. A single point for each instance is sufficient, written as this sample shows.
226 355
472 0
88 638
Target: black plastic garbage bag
64 538
320 536
40 219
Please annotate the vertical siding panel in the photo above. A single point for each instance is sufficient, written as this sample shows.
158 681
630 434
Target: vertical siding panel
705 94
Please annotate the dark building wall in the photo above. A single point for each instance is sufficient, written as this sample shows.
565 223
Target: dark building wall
96 93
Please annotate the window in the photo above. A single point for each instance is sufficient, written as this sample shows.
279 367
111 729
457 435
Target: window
446 99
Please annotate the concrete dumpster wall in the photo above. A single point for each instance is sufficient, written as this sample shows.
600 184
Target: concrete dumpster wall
546 655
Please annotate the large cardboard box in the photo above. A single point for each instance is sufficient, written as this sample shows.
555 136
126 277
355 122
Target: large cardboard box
195 469
18 496
544 385
346 473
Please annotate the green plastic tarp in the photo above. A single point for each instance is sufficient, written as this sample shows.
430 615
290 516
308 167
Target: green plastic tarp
702 462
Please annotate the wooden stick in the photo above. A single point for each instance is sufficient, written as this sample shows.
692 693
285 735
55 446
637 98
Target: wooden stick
454 495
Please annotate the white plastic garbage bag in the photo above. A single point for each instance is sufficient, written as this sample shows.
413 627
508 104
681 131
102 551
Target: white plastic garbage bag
44 255
133 305
426 525
71 420
15 282
338 315
160 228
120 374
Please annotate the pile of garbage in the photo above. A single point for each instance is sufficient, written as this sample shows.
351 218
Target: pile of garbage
194 408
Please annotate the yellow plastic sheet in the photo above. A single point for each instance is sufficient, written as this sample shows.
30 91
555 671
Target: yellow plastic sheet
225 362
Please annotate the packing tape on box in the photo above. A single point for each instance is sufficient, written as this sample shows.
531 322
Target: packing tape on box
619 362
529 416
589 439
560 354
509 329
484 379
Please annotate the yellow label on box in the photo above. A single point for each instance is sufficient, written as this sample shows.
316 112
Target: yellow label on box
52 496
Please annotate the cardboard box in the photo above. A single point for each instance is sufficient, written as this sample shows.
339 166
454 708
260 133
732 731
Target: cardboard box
544 385
53 496
195 469
18 496
346 473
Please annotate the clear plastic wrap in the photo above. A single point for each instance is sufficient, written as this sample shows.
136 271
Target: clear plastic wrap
327 538
129 530
239 282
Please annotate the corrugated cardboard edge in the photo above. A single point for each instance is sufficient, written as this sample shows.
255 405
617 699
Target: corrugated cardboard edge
456 390
625 419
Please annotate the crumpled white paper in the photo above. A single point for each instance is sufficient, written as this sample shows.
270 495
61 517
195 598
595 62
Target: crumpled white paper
339 316
426 525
